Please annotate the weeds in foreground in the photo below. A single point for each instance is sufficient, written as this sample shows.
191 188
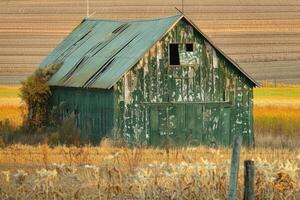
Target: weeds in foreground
107 175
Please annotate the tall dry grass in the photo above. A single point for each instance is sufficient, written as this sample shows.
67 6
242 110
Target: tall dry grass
277 115
12 113
277 120
10 105
119 173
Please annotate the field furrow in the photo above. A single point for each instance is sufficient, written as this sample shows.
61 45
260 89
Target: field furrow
252 32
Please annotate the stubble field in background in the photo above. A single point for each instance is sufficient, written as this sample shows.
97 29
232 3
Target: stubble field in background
261 36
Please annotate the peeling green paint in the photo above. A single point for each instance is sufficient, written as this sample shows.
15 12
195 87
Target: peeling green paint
207 100
212 79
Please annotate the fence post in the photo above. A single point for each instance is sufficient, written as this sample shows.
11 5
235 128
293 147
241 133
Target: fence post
249 180
234 168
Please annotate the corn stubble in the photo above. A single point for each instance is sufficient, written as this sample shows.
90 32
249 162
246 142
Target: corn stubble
120 173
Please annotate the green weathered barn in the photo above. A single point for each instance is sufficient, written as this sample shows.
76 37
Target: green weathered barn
151 81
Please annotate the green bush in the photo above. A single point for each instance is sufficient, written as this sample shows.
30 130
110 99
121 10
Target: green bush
45 125
35 92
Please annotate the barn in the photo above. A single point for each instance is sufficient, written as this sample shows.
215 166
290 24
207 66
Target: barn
151 82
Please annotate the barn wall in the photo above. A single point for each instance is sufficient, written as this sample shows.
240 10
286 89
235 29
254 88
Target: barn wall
93 109
207 103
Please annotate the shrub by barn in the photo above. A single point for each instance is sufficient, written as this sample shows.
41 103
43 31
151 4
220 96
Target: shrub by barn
151 81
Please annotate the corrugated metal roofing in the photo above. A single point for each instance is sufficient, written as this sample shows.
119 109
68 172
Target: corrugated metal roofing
98 52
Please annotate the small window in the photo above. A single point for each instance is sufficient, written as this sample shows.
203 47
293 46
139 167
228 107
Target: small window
189 47
182 54
174 54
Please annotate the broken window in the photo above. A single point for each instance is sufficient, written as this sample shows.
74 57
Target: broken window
189 47
174 54
182 54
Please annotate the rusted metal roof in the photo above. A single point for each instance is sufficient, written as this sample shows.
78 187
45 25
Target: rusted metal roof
98 52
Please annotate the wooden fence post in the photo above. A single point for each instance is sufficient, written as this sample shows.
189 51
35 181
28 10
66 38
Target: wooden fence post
234 168
249 180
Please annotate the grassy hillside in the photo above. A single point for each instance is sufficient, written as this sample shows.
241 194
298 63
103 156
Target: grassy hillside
262 36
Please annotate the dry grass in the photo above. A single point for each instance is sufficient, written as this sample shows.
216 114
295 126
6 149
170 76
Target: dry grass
277 114
10 105
291 142
277 120
11 113
120 173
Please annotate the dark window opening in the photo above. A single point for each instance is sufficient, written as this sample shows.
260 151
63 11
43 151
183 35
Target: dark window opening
189 47
174 54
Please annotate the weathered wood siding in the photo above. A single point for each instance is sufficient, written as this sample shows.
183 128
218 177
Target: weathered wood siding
93 109
207 103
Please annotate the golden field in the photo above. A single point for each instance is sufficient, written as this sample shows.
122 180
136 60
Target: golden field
104 172
277 110
277 120
10 105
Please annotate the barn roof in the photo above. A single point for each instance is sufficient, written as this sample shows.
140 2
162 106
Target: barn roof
98 52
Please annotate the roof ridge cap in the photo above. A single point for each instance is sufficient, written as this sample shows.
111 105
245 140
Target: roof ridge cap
128 21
